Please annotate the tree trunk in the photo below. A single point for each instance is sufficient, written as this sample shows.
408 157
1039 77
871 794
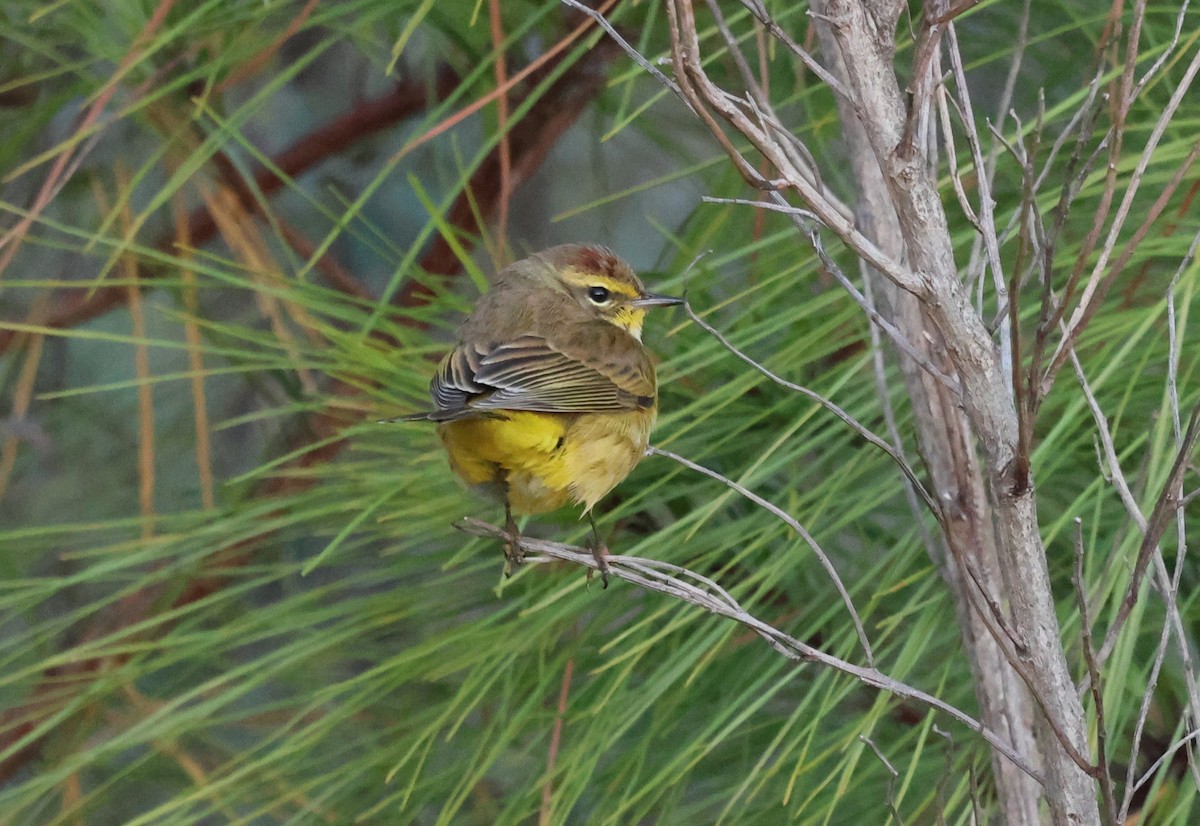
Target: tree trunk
991 520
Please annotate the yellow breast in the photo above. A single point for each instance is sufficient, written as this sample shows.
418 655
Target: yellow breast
547 459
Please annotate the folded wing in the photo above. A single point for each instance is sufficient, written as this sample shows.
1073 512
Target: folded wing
531 373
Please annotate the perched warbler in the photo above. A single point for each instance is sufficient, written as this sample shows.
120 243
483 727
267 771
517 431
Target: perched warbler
549 396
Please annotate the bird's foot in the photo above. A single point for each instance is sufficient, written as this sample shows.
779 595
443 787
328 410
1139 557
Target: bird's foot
514 554
600 553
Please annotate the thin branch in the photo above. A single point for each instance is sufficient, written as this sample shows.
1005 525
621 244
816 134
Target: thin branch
918 137
1084 118
702 592
758 102
805 220
792 523
633 53
702 93
960 192
944 780
987 217
852 422
893 775
1114 140
1010 86
1089 657
1139 727
1171 592
808 224
1098 286
1167 52
1029 239
1193 736
760 13
755 96
1077 171
1156 525
1168 586
1116 475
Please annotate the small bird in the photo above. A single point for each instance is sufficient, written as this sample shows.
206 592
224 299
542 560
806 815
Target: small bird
549 396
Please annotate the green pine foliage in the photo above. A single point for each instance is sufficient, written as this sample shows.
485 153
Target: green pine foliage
318 643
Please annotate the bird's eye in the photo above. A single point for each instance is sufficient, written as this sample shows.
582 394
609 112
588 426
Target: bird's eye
598 295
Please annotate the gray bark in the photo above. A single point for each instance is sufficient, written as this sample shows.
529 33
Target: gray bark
993 515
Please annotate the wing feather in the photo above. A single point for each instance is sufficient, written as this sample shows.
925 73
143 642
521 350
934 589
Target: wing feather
531 373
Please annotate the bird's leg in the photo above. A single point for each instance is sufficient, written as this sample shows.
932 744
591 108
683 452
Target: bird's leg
599 551
514 555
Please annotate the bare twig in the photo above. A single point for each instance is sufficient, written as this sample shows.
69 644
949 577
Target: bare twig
944 780
1089 657
633 53
1100 283
792 523
1139 727
768 22
1191 737
1113 142
987 217
1167 585
1174 344
1167 52
699 590
892 776
807 223
955 168
1156 525
852 422
1097 283
1116 475
701 93
1078 169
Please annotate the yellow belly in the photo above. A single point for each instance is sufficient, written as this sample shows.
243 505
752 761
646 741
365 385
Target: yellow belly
544 460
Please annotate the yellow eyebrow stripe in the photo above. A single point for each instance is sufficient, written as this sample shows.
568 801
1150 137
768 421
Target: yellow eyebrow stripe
581 278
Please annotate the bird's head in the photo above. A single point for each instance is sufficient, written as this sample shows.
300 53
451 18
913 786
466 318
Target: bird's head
603 285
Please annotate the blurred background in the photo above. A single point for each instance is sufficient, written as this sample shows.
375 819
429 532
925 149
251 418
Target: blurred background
235 235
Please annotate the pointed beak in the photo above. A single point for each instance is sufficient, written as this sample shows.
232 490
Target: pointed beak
652 300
